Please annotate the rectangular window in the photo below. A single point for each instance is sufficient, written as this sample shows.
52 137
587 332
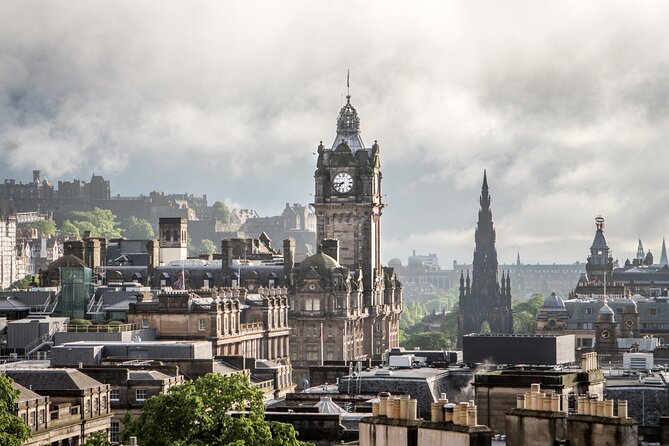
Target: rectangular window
114 394
41 416
313 353
114 432
103 403
88 407
140 394
653 311
313 304
588 311
201 325
31 423
145 323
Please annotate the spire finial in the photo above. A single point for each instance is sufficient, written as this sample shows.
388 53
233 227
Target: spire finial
485 195
348 84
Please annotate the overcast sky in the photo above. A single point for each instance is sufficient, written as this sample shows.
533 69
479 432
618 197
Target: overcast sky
564 103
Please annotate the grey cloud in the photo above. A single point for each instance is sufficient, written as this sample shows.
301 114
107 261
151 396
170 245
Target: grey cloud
564 104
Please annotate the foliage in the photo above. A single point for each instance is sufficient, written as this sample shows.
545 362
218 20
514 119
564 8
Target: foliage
80 322
97 439
413 313
196 413
137 229
207 247
27 281
532 305
450 325
45 228
100 222
525 314
524 323
434 340
68 229
221 212
485 328
13 431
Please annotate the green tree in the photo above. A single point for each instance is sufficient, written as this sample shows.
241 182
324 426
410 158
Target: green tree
45 228
97 439
29 280
137 229
13 431
221 212
68 229
532 305
433 340
450 325
207 247
100 222
485 328
524 323
197 413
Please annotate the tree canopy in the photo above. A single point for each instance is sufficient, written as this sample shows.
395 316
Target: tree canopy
198 413
97 439
432 340
525 314
207 247
44 228
137 229
221 212
100 223
13 431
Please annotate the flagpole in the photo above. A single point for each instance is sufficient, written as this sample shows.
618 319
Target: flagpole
321 344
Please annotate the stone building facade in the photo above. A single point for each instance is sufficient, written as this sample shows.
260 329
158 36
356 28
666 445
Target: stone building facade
61 406
236 321
485 298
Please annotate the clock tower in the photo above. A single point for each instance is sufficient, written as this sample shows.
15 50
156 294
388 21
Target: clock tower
348 201
348 205
606 341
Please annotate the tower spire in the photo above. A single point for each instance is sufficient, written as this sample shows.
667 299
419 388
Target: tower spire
485 194
663 256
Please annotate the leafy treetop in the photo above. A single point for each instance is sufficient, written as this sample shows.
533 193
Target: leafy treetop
197 413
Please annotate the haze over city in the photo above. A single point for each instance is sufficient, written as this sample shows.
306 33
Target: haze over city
565 105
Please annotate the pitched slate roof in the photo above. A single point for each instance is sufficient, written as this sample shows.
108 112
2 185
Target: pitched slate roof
52 380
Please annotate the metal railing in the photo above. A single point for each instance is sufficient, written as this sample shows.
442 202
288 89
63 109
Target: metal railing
101 328
37 343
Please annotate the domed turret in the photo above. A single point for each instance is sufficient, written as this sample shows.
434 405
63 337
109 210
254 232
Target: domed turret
348 127
605 314
629 306
553 303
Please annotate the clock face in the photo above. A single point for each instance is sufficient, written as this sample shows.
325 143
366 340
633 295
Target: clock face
605 334
343 182
629 323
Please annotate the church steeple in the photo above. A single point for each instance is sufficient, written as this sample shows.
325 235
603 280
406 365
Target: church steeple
640 253
663 256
